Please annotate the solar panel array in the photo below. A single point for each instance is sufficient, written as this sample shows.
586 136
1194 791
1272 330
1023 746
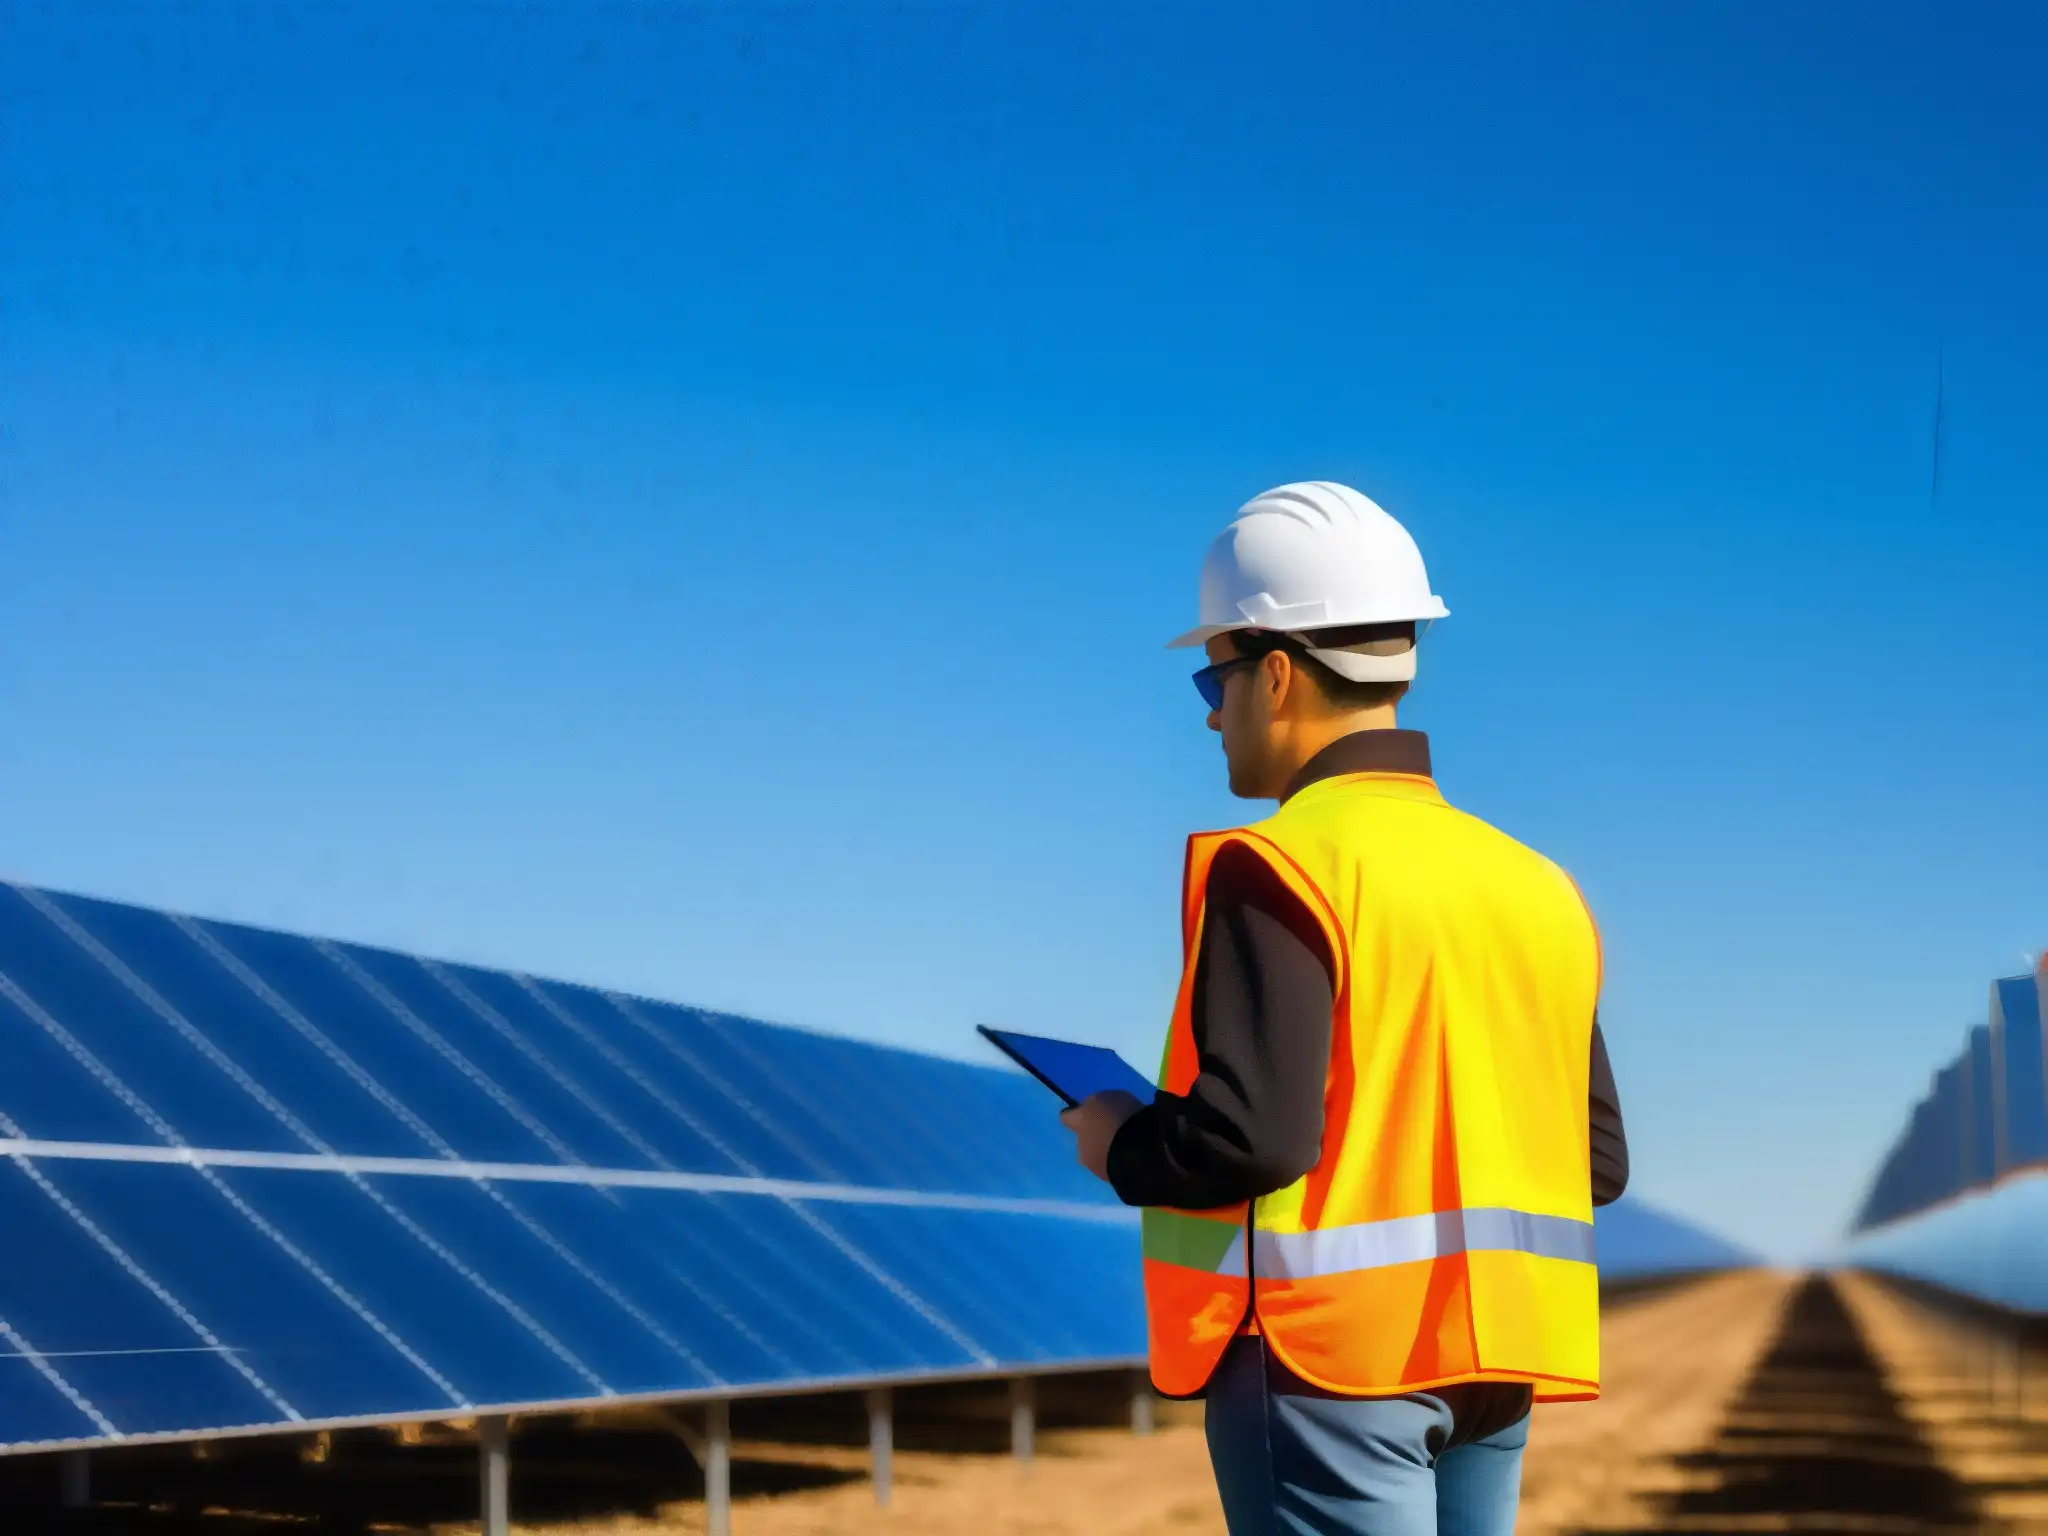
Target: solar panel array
260 1181
253 1181
1961 1200
1638 1241
1984 1118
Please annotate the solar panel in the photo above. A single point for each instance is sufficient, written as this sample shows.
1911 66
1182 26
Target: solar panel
259 1181
255 1181
1949 1132
1638 1242
2021 1099
1960 1201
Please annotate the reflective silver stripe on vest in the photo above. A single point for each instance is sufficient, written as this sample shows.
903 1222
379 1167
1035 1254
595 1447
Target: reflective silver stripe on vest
1407 1239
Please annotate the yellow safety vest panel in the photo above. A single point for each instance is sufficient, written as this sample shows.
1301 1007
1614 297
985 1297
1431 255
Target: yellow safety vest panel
1446 1233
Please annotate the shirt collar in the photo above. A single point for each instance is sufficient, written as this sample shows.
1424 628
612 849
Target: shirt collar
1388 751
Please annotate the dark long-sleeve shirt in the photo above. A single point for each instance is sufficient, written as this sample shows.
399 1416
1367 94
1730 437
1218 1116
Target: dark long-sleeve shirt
1261 1013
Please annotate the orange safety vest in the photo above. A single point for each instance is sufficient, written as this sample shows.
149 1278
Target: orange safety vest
1446 1233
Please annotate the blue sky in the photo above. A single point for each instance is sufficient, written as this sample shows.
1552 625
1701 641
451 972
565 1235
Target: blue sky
692 496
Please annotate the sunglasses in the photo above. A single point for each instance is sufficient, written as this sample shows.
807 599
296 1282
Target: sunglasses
1209 681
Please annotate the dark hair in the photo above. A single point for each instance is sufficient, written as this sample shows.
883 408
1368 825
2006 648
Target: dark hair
1341 692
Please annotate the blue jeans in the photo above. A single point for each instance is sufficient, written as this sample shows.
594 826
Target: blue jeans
1292 1460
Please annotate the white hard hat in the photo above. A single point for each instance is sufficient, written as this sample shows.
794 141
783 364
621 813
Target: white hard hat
1317 555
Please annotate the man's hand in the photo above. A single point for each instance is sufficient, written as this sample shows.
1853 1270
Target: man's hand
1095 1122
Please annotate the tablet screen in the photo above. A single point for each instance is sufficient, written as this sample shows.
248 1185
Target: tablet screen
1071 1070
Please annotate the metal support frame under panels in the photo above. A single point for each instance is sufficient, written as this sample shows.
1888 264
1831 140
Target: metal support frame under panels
494 1472
712 1448
718 1468
1023 1418
881 1443
75 1480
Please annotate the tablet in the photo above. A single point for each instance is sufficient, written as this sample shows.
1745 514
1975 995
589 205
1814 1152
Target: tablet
1070 1070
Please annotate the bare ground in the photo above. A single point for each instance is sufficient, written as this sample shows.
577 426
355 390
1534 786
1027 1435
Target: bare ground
1974 1383
1673 1360
1743 1403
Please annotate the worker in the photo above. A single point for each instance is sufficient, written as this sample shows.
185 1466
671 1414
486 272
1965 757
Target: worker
1385 1112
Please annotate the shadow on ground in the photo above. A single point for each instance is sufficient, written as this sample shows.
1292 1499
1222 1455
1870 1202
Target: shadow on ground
1816 1443
564 1469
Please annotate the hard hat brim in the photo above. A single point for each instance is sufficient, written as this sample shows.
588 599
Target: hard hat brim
1202 634
1350 665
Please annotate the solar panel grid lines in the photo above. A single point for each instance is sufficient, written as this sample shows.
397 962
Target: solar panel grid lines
809 1217
341 1293
156 1288
361 1159
627 1069
855 1089
164 1011
129 1097
584 1096
599 1179
511 1308
603 1286
692 1064
23 1350
387 1098
942 1123
505 1100
313 1035
455 1058
85 1058
242 1080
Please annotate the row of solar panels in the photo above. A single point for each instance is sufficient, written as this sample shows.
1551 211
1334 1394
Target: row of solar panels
1984 1118
1991 1244
250 1181
256 1181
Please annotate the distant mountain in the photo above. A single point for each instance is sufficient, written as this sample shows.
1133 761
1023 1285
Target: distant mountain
1636 1241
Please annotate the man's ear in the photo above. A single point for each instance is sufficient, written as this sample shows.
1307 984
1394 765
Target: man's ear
1272 680
1281 677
